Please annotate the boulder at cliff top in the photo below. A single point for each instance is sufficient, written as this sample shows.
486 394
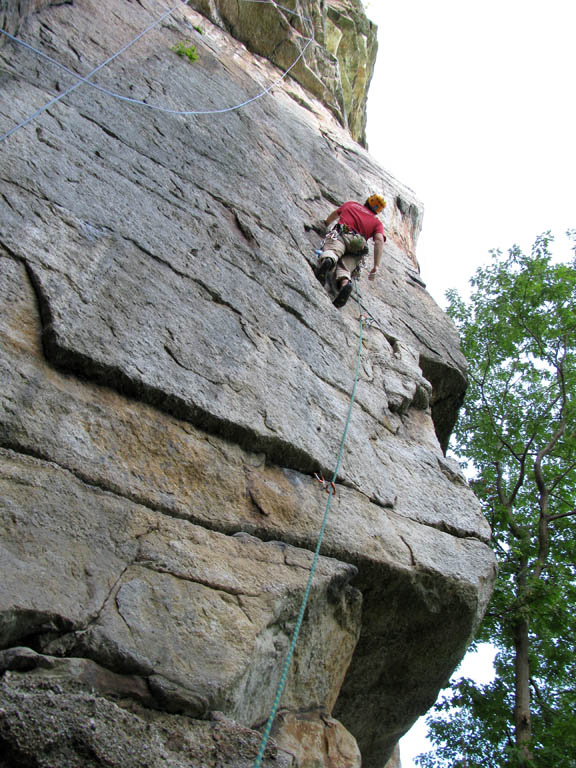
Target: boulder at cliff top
172 375
339 41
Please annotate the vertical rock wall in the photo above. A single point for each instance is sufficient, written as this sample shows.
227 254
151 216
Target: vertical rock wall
172 375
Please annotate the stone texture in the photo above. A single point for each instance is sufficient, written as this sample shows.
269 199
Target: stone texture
143 594
395 761
105 439
171 377
45 723
316 740
339 64
351 38
14 13
100 435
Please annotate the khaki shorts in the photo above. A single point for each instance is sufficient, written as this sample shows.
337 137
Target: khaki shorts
335 248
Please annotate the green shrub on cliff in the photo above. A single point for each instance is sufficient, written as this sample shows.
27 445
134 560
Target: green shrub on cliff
185 49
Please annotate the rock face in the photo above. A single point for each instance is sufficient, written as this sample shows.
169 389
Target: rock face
172 375
340 59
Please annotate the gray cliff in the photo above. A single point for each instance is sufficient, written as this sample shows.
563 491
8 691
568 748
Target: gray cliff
172 375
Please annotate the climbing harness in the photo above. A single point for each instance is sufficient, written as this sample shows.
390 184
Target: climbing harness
331 235
355 242
331 490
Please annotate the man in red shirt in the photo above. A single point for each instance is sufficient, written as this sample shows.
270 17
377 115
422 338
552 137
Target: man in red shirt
346 244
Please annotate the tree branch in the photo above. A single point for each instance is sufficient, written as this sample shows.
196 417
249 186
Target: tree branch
546 708
563 514
489 411
559 478
515 529
543 496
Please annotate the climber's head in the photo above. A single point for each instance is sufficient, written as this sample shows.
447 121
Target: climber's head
375 203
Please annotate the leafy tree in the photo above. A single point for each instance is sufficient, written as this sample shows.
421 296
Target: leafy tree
517 431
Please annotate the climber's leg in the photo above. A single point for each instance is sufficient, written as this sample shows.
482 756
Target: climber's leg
333 249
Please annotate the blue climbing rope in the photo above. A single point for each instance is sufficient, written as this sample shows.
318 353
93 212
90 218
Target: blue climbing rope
296 632
183 112
94 71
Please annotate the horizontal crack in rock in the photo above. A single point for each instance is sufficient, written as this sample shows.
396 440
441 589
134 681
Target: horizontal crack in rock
157 568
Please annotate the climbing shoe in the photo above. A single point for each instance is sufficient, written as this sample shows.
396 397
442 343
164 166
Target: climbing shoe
323 269
343 296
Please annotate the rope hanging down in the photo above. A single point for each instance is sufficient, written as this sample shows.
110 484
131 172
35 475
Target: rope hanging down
330 486
185 112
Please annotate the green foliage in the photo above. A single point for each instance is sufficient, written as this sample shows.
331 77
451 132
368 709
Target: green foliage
517 433
185 49
198 29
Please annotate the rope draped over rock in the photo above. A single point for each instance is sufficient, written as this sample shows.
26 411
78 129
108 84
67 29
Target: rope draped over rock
184 112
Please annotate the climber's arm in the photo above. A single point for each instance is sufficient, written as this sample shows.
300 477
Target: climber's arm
378 245
334 216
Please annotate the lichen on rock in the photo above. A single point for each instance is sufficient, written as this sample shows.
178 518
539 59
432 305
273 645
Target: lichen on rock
337 68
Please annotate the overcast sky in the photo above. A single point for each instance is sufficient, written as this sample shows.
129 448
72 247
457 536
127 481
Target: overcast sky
472 106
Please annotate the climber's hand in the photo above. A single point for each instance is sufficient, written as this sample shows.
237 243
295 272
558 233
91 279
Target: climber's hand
319 226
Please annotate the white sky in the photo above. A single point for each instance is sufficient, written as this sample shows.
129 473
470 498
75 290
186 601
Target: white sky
476 665
473 106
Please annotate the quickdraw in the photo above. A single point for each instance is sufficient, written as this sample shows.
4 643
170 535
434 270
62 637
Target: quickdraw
367 321
325 484
333 234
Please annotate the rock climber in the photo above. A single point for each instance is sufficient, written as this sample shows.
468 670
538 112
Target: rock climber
345 245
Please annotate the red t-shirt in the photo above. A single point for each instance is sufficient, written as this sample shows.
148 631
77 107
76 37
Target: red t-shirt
361 219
